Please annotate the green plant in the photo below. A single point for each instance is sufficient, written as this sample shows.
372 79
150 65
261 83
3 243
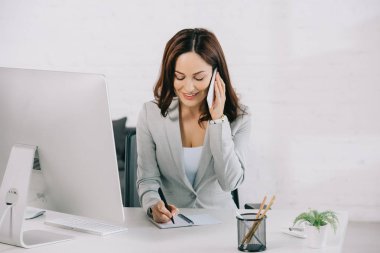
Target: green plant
318 219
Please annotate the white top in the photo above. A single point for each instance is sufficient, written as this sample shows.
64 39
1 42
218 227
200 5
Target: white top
192 156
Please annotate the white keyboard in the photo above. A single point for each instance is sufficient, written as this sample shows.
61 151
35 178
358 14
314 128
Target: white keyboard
85 225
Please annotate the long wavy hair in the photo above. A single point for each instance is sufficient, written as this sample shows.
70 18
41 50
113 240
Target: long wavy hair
206 45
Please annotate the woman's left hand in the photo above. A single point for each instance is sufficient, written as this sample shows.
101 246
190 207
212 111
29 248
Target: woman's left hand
217 108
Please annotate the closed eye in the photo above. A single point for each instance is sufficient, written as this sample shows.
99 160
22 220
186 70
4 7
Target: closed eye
179 78
199 77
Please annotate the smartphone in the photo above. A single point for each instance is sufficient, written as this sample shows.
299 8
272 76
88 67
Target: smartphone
210 94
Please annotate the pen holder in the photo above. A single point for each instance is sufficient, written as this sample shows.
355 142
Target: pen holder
251 233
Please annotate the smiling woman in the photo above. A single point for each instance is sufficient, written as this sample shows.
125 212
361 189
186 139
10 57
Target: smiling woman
194 152
191 80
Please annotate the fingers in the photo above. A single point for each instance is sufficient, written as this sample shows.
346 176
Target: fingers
161 218
217 108
221 84
162 209
217 93
161 214
173 209
220 88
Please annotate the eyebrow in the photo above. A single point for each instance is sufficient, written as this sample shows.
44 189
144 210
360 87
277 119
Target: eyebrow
193 74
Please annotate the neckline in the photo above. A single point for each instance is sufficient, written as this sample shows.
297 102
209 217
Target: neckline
199 147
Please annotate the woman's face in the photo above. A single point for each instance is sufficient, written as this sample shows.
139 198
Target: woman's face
191 79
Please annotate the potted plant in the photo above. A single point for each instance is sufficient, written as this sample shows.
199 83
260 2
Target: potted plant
315 226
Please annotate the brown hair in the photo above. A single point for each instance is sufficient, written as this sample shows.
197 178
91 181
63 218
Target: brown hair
206 45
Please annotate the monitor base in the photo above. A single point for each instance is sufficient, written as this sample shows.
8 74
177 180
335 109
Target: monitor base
35 238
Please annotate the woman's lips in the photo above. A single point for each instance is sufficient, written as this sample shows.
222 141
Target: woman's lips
189 96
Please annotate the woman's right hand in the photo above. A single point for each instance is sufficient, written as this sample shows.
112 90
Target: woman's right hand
161 214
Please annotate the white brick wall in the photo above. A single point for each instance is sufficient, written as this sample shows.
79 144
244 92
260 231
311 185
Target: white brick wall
309 70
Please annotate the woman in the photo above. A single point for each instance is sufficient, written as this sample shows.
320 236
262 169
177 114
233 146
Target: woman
196 154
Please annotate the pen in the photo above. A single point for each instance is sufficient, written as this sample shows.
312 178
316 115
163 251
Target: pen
163 199
296 229
185 218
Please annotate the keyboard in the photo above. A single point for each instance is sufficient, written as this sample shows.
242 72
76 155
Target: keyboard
85 225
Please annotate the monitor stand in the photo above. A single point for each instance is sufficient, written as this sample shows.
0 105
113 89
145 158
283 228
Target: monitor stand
13 201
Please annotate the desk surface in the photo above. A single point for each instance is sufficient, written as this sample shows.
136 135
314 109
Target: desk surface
143 236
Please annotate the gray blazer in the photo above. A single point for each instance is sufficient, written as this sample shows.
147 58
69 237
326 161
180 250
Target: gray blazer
160 160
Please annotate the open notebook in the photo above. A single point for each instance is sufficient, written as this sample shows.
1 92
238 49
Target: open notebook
181 220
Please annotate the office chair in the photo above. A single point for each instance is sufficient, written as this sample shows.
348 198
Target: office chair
131 198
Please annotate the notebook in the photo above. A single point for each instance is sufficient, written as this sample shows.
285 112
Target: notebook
182 220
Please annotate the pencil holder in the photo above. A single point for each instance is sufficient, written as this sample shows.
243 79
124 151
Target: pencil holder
251 233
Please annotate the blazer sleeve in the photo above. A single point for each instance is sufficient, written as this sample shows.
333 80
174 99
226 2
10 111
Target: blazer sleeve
229 150
148 175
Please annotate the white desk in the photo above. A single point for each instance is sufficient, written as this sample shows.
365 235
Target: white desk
143 236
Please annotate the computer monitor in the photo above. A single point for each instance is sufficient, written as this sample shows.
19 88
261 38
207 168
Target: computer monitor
67 116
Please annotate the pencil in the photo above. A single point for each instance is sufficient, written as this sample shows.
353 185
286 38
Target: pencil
261 217
257 216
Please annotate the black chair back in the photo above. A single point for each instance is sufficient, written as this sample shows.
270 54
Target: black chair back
235 197
131 198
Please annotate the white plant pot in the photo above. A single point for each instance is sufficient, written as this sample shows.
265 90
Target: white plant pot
316 238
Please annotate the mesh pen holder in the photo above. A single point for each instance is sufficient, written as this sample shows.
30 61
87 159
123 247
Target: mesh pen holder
251 233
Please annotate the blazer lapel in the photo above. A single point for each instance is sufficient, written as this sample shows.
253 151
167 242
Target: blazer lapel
204 161
173 135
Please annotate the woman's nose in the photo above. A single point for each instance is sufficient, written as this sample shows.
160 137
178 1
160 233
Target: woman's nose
189 86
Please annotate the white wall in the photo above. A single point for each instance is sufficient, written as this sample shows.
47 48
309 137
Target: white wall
309 70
